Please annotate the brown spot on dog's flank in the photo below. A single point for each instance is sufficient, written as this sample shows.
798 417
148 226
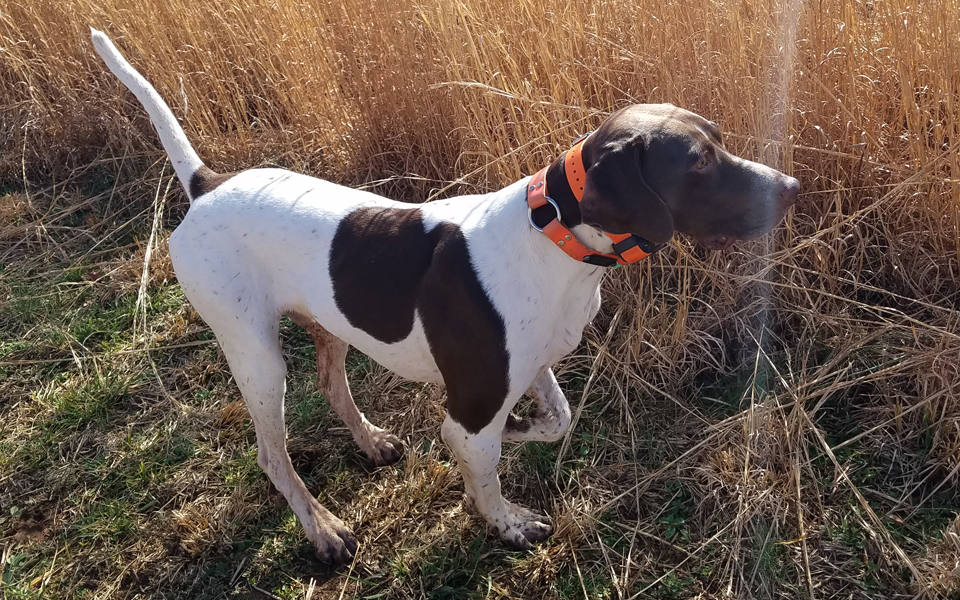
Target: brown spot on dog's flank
386 268
378 259
204 180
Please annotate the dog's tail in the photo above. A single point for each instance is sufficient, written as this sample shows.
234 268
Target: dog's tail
190 169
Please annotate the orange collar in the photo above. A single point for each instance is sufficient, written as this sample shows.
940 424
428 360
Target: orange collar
628 248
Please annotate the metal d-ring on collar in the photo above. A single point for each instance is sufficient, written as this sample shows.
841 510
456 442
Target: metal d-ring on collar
552 203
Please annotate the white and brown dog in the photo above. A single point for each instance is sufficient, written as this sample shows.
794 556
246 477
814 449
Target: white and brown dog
468 292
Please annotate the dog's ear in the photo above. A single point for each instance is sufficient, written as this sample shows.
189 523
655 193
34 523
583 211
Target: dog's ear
618 200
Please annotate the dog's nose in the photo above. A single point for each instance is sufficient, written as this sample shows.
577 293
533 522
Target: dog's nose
788 191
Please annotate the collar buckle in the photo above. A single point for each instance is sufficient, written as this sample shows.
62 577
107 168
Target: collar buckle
581 138
635 241
601 260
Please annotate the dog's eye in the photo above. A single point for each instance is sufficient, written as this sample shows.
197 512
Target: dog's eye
702 163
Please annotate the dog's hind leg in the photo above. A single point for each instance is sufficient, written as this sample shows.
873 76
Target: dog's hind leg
380 446
252 347
548 421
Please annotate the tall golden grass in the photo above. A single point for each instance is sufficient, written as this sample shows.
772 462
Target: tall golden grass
852 303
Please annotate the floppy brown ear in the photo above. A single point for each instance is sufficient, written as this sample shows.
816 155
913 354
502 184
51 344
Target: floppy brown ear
616 198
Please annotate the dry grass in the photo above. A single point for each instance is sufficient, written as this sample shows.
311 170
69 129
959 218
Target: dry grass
781 420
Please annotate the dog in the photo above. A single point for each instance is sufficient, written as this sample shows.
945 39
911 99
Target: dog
482 293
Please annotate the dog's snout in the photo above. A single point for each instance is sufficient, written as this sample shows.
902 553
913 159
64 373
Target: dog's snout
788 191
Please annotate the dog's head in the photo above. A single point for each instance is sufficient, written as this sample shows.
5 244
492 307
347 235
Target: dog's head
656 168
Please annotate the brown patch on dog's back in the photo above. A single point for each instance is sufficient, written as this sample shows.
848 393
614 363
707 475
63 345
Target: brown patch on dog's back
378 258
386 268
204 180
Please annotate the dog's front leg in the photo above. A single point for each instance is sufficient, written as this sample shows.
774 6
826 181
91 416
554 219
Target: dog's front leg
551 418
478 455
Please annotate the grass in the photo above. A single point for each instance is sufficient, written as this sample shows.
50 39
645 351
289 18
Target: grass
776 421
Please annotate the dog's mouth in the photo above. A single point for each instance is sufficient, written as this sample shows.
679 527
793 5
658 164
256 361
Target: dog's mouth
722 242
767 210
750 232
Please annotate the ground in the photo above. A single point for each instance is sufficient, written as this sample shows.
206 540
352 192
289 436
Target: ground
128 464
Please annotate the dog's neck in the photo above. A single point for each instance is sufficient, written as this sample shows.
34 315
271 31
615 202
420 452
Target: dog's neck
559 190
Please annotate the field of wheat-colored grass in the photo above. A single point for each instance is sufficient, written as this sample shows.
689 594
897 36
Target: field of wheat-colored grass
779 420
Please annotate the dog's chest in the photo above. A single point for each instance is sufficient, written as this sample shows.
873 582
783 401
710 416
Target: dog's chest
552 327
544 313
545 298
577 315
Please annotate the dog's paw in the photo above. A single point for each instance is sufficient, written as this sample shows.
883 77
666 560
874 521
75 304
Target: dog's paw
383 448
524 528
333 542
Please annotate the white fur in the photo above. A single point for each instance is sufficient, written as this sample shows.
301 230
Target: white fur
258 246
182 155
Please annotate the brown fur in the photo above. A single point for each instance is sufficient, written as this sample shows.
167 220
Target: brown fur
205 180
